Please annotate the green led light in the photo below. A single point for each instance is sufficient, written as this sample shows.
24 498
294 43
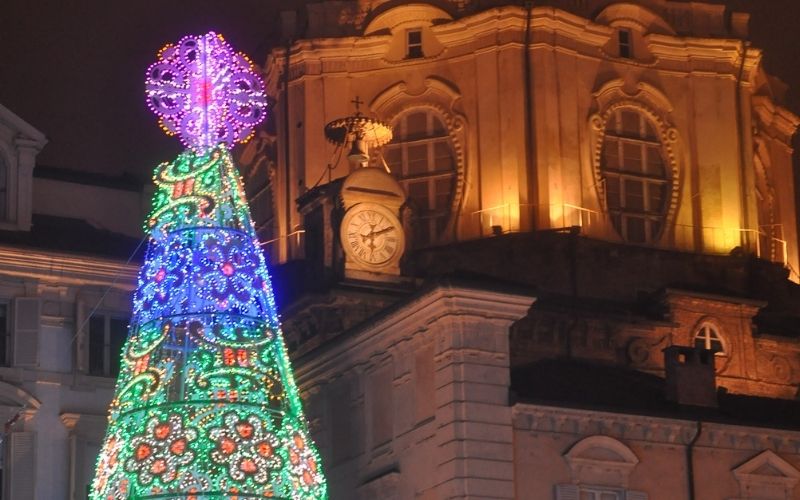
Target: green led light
205 404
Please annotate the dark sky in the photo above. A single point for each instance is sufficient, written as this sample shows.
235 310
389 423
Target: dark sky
75 69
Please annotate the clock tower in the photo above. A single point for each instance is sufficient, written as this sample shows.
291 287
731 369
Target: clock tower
370 232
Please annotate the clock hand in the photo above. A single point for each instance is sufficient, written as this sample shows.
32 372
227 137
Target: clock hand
384 230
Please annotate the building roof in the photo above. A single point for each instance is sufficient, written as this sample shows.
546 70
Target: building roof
74 236
126 182
603 387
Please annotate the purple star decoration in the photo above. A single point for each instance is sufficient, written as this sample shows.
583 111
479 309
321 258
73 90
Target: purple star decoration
205 92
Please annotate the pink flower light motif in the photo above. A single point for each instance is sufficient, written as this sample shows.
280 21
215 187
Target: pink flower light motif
205 92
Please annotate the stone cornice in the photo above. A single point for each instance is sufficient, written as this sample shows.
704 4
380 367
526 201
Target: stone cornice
403 323
669 431
66 269
502 26
28 134
776 118
84 423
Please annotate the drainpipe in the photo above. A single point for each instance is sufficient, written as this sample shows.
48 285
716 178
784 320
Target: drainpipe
287 149
528 78
690 460
741 136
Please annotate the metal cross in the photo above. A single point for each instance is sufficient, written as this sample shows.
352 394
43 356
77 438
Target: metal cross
358 102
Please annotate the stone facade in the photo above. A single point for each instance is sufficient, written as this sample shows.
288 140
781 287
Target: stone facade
63 279
589 183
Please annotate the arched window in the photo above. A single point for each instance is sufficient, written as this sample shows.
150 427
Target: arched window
635 174
421 157
707 336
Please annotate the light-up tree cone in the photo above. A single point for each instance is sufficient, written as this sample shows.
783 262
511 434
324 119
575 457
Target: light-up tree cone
205 404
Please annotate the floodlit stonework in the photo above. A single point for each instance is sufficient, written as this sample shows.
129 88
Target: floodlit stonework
596 300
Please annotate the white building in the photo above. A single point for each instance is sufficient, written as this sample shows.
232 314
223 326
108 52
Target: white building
64 240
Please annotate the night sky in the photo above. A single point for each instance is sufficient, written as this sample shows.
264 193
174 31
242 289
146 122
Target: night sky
75 69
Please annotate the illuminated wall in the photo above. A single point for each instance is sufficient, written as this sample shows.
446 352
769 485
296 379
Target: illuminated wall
530 145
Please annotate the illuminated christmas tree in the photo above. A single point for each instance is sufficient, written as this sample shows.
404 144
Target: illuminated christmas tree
205 404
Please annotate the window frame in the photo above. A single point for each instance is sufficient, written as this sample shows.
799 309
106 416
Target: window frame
654 219
600 490
708 331
107 316
432 138
414 49
625 47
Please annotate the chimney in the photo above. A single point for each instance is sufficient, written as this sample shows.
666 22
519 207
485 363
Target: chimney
690 376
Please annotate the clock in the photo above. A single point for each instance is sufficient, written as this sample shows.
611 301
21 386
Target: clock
372 236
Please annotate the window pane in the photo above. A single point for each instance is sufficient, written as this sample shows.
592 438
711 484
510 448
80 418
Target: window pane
631 157
443 189
649 131
442 157
612 193
716 345
438 127
97 344
700 342
417 159
655 164
611 153
118 330
634 195
655 195
414 37
635 229
655 229
394 158
418 192
630 124
441 224
416 126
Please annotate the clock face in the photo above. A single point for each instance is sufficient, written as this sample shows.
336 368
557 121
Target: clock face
372 235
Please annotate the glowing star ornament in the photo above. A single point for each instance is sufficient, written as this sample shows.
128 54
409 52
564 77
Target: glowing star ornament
205 92
205 406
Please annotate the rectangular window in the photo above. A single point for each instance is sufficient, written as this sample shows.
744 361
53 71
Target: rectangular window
625 45
107 334
414 44
589 493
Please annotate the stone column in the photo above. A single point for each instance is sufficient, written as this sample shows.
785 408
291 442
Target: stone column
473 415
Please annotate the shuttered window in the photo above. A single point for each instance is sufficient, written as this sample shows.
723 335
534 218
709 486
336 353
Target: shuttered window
20 469
583 492
27 312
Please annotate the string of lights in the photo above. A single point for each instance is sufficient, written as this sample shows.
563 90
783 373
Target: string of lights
205 405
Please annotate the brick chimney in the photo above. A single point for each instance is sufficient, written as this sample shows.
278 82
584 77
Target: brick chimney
690 376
